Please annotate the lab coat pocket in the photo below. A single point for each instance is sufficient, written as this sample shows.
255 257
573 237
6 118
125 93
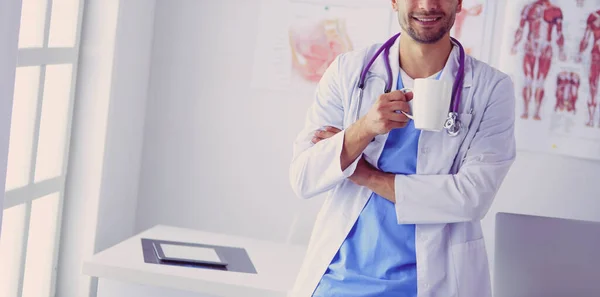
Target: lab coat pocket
471 269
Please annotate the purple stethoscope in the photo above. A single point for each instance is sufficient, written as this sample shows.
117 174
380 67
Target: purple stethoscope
452 123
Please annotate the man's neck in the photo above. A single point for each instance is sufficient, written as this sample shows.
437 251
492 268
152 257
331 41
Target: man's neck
420 60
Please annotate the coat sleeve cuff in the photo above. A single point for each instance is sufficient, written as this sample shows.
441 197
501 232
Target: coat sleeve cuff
400 197
338 141
350 170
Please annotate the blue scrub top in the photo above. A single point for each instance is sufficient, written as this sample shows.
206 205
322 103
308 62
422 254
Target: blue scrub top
378 256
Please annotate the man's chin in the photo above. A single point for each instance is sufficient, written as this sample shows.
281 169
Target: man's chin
426 38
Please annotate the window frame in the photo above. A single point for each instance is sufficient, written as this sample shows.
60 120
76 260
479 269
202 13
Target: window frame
43 57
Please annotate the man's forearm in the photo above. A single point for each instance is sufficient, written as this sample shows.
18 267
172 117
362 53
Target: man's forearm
382 183
355 142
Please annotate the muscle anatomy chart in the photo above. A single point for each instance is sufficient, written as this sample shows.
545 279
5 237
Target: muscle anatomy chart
592 33
542 19
299 39
551 49
567 90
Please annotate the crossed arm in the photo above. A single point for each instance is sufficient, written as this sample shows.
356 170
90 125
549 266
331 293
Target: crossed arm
365 174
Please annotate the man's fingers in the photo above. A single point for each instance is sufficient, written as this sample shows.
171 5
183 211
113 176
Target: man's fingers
393 111
331 129
320 134
397 106
324 134
397 117
394 96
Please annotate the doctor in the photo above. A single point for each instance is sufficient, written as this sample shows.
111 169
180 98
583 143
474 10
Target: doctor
403 207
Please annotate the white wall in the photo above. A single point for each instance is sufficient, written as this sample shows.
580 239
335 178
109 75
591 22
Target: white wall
101 189
9 35
216 152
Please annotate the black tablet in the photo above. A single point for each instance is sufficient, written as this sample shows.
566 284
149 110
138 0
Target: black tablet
184 253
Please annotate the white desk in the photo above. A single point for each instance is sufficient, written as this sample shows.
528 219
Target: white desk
122 272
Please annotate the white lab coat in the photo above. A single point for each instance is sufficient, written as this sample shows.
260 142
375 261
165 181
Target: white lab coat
457 177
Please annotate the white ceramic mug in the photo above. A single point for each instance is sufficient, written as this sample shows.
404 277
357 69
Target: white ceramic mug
430 103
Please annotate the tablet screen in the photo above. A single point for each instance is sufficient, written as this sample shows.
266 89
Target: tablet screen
190 253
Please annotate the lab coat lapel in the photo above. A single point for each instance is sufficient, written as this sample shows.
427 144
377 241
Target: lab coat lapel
379 69
395 62
450 71
376 79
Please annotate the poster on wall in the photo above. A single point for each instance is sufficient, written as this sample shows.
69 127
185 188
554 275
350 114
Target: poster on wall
472 26
299 39
551 49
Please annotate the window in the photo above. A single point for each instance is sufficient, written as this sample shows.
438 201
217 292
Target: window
38 147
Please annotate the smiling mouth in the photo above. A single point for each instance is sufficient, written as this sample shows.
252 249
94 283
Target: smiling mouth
427 20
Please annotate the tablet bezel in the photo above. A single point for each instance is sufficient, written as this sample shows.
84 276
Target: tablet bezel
162 257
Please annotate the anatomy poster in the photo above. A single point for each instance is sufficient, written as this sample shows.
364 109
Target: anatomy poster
551 49
298 40
472 25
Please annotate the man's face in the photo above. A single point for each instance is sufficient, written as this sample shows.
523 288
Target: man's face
426 21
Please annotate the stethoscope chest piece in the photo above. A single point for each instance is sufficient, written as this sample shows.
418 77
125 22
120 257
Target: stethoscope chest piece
452 124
